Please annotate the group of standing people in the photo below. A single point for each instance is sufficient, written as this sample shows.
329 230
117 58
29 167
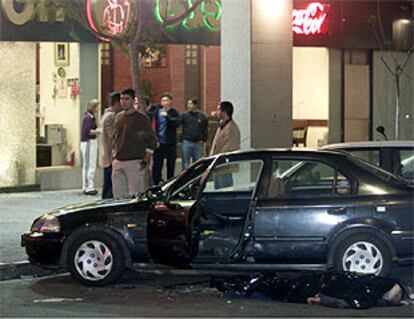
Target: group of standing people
134 144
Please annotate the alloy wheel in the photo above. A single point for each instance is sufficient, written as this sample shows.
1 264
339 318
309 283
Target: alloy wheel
93 260
363 257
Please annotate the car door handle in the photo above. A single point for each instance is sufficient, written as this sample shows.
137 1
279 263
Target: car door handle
337 211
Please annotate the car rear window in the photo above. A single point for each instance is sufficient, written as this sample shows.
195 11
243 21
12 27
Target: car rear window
379 172
369 155
407 164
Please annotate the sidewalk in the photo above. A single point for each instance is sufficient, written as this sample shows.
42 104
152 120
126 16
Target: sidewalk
18 210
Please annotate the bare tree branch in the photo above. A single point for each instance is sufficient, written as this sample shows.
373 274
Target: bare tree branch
387 65
380 22
407 57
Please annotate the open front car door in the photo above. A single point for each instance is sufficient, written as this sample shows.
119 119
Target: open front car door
224 206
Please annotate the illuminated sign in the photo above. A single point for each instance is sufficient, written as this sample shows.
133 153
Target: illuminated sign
20 12
109 17
207 14
18 17
116 16
309 20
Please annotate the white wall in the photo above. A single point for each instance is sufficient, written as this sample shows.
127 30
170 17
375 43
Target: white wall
310 83
310 87
17 109
56 109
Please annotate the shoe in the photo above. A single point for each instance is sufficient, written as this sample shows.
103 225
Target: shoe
92 192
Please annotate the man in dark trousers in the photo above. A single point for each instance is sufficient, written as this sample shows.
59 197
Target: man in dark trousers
195 131
165 121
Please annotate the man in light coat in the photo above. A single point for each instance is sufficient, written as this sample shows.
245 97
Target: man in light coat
107 126
227 136
227 139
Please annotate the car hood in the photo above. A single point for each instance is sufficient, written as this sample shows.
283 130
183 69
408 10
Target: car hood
102 205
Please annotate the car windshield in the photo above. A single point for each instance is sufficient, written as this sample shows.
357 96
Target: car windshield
379 172
184 177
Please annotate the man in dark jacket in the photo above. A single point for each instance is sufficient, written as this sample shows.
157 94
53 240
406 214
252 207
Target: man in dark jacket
165 121
195 131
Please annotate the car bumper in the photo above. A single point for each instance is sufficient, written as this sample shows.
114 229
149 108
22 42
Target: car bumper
43 248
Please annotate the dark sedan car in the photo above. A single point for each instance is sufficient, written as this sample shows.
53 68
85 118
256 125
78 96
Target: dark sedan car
251 210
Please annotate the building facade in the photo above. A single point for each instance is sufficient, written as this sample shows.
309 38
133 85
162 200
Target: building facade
318 65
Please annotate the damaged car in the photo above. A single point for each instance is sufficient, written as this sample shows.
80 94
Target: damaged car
275 209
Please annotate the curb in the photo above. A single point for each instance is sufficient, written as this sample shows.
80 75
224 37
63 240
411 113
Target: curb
24 270
20 189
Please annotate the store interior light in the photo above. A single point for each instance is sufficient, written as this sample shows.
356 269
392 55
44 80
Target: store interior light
272 9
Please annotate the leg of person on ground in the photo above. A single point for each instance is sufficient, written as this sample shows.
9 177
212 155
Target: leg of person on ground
185 154
107 183
198 151
158 164
135 177
119 180
93 153
85 161
171 158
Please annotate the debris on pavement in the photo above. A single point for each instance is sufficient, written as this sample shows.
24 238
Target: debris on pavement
56 300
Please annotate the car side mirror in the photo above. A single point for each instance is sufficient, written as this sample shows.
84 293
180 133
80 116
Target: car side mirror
152 192
343 187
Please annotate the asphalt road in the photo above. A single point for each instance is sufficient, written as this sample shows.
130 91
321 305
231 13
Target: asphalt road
155 294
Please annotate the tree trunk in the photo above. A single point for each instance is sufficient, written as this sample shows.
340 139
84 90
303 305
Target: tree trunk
135 76
397 106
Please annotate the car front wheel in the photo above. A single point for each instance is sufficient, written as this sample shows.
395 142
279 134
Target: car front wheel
364 254
95 259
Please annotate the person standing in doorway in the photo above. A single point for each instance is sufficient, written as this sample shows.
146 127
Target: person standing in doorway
107 126
89 148
134 142
165 121
227 139
195 131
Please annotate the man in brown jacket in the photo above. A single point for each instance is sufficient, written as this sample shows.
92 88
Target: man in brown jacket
134 142
227 139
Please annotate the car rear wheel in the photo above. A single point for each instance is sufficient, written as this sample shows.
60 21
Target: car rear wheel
95 259
365 254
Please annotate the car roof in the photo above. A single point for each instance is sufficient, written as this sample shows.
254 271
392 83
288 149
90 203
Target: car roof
369 144
298 151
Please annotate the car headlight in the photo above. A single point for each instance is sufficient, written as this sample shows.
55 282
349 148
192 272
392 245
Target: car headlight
46 224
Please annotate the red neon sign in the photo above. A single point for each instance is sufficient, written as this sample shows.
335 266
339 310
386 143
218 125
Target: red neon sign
109 18
309 20
116 16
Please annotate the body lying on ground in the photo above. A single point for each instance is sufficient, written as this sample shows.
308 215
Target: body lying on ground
341 290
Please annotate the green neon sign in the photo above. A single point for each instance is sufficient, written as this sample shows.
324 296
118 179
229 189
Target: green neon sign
207 15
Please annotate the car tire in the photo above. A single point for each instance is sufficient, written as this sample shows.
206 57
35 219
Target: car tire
365 254
95 259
